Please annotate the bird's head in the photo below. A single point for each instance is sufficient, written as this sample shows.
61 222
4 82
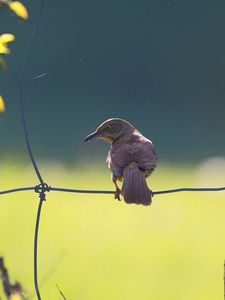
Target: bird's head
111 130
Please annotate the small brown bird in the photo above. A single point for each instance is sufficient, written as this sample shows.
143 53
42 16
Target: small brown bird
131 157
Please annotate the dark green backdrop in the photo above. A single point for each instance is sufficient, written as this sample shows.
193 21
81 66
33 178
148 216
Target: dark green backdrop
159 64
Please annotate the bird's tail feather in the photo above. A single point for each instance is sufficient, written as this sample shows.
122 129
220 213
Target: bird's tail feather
135 189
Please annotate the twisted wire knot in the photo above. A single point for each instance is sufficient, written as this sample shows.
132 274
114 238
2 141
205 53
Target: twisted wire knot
41 189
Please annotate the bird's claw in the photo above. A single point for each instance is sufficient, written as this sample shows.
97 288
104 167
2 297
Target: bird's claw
117 194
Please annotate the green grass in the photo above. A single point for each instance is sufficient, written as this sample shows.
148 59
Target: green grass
96 248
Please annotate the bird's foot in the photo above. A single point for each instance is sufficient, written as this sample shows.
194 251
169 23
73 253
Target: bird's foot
117 194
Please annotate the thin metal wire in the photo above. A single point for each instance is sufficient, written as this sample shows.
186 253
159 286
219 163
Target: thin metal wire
68 190
22 78
27 139
21 189
59 189
36 249
214 189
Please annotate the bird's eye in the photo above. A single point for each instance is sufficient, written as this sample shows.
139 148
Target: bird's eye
109 127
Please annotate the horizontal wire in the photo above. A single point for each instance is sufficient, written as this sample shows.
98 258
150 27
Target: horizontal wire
202 189
69 190
216 189
19 189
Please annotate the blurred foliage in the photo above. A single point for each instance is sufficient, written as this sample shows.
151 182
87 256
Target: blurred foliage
4 40
95 247
20 10
17 7
2 104
12 291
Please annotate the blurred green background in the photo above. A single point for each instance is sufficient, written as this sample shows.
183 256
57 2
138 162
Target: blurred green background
95 247
158 64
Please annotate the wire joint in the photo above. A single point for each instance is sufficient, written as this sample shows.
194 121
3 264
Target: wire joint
41 189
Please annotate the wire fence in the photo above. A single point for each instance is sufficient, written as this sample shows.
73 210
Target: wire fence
42 188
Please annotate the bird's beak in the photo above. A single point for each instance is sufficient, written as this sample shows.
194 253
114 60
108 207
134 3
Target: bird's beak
91 136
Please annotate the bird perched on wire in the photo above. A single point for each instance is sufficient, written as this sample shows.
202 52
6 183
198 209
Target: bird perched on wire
132 157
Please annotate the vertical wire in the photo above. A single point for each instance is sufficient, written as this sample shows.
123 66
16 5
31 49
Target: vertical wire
36 250
22 79
27 139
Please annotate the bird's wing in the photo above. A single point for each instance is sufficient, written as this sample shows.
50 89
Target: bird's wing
139 150
145 155
118 158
